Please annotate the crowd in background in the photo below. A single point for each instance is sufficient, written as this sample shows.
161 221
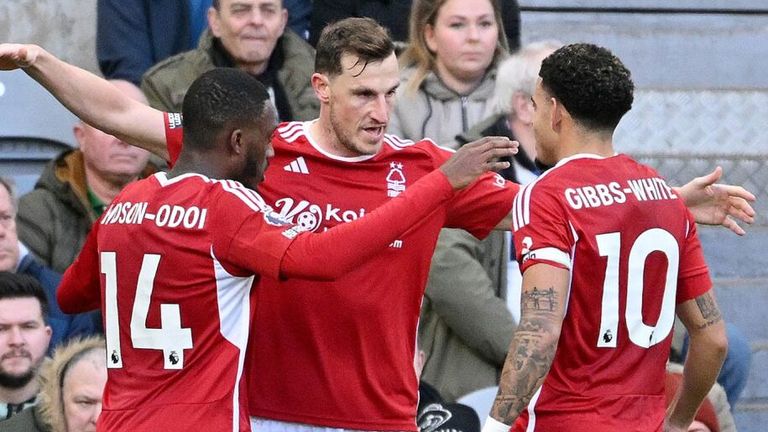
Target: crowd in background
463 75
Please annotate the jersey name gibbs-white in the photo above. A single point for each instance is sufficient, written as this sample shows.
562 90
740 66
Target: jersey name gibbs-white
177 258
340 354
633 253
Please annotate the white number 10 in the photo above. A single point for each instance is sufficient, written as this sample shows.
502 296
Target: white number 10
170 338
652 240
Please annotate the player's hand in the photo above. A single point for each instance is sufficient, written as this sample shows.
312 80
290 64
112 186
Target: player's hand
476 158
14 56
718 204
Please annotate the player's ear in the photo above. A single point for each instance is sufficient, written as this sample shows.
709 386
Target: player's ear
236 145
556 114
321 85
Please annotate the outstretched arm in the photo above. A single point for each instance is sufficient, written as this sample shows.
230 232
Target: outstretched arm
93 99
369 235
718 204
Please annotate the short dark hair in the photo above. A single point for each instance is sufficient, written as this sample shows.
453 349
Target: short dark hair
591 83
361 37
15 285
218 99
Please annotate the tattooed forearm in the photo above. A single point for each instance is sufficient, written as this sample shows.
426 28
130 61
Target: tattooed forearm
539 300
709 310
531 353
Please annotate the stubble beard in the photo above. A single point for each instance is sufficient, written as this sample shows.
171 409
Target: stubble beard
346 141
17 381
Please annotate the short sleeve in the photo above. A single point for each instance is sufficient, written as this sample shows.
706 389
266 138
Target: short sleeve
541 231
479 207
174 133
693 275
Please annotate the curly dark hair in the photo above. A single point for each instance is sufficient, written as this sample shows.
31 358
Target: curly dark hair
591 83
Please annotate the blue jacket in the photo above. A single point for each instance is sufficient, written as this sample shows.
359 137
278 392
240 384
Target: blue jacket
64 326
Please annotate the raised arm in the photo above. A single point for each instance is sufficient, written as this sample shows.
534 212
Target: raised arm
93 99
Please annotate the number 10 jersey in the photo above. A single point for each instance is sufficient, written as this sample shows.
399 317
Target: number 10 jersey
633 254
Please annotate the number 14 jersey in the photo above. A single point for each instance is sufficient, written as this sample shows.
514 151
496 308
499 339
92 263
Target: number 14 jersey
633 252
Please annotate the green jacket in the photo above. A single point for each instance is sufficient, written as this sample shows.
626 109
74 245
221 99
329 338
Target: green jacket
166 83
54 219
28 420
465 326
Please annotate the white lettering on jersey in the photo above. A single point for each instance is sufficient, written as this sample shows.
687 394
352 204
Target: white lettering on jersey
601 195
174 120
128 213
310 216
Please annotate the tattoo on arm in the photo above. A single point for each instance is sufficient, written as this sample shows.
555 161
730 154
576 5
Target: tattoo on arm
531 353
709 310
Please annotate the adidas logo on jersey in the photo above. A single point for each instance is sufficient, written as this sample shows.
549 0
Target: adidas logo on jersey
298 166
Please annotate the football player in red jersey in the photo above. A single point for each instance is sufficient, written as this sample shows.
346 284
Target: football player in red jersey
609 253
180 252
344 357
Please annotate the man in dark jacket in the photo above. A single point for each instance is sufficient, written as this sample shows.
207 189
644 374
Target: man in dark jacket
134 35
249 35
73 190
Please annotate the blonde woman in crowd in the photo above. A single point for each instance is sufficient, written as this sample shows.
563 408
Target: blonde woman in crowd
449 69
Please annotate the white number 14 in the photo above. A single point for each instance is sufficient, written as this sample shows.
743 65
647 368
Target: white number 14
170 338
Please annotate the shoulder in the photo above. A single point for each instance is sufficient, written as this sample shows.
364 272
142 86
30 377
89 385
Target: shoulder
188 63
25 421
293 46
288 133
241 194
425 147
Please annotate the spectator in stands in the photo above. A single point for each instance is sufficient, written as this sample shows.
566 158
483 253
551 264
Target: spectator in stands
134 35
74 189
15 258
472 300
449 69
390 14
71 391
24 338
249 35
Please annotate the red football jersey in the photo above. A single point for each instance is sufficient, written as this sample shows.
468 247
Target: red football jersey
177 259
633 254
341 353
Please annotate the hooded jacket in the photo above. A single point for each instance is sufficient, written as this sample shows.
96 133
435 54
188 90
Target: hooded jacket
434 111
291 63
